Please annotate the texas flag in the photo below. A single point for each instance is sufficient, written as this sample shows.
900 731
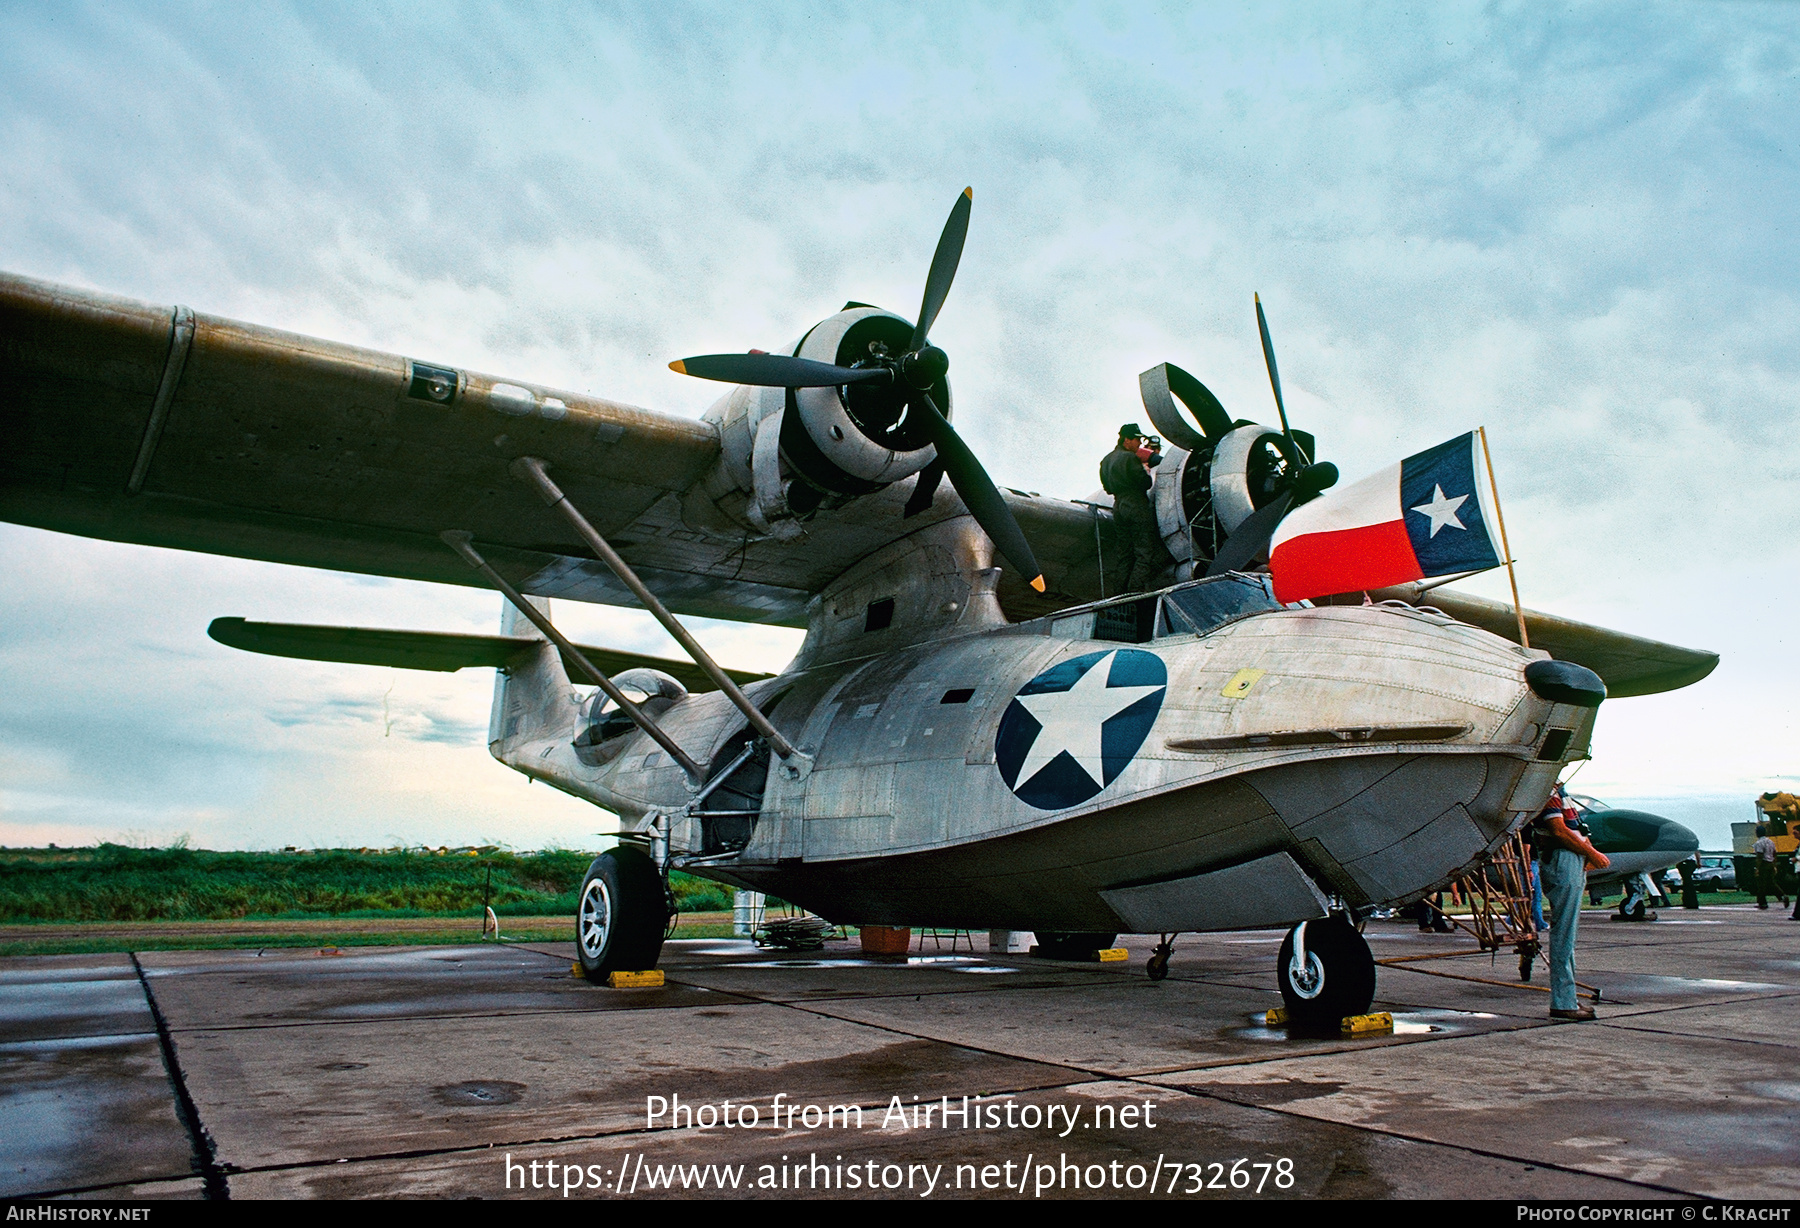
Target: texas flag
1426 516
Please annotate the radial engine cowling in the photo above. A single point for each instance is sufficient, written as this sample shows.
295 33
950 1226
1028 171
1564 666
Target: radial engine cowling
1202 496
788 453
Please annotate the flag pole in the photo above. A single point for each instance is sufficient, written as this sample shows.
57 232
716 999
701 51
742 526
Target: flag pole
1511 575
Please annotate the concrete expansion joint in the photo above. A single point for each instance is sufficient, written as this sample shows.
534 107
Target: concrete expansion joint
205 1158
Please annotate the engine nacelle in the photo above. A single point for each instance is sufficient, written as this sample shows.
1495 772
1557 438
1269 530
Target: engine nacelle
788 453
1201 497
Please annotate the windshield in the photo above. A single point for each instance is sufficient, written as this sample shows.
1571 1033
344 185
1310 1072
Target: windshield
1205 605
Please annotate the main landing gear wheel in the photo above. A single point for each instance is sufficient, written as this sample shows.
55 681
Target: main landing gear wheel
1337 978
620 921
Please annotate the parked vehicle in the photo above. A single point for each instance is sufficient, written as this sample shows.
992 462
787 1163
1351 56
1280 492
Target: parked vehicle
1715 873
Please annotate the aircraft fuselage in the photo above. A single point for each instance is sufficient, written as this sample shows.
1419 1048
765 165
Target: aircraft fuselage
1036 776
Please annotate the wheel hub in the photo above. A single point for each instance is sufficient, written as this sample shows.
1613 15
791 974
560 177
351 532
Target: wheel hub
595 918
1307 980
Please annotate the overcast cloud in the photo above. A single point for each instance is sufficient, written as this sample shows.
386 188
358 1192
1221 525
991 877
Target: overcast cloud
1576 227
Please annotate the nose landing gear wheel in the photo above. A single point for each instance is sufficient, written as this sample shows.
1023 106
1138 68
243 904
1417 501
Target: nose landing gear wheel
1337 977
620 920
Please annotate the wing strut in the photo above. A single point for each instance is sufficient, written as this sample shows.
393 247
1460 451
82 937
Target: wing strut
531 469
463 544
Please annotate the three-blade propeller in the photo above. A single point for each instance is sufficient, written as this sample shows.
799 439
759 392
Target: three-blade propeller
916 371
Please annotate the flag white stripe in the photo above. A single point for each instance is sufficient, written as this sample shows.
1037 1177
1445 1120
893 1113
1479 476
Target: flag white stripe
1374 500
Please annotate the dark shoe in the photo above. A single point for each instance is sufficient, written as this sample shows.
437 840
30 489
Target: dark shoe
1580 1014
1764 907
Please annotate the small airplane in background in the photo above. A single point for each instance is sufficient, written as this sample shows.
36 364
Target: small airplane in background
973 734
1639 846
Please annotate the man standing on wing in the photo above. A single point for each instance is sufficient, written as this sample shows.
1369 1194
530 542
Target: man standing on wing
1138 553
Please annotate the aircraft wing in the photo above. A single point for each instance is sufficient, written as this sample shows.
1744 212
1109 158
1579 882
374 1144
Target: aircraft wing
166 427
443 651
161 426
1628 664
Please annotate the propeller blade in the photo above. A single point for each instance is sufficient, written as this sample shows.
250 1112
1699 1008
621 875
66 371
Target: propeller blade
943 267
777 371
924 490
978 492
1262 326
1251 541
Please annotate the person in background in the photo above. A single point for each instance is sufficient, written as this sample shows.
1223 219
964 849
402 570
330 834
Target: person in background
1138 551
1564 854
1764 849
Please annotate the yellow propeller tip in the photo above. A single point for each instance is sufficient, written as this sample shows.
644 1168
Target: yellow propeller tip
1038 584
1256 296
678 366
969 192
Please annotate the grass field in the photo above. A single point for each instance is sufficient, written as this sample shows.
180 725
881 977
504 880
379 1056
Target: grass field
114 898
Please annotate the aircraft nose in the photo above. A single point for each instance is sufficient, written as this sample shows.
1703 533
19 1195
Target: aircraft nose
1651 833
1675 837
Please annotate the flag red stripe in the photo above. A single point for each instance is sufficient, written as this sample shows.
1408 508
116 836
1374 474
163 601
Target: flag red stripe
1318 564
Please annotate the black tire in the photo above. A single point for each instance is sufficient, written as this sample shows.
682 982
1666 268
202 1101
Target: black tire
1157 966
1079 947
1343 973
621 915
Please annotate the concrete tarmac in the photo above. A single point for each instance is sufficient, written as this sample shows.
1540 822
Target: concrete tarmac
488 1071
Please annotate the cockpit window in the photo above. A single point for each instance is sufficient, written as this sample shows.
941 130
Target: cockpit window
1208 603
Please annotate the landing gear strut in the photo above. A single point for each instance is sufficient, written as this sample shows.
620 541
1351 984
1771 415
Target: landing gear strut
1326 972
1157 966
620 921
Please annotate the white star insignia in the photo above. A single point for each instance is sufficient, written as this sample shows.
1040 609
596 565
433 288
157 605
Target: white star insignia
1072 719
1442 511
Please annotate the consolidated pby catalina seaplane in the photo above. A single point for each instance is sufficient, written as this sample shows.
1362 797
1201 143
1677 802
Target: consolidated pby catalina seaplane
974 734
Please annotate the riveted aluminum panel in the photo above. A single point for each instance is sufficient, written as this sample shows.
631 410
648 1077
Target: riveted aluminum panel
1269 891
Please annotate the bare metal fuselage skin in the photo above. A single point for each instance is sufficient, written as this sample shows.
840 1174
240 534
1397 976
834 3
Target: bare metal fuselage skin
1276 774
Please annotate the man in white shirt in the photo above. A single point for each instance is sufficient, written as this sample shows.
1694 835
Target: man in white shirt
1764 848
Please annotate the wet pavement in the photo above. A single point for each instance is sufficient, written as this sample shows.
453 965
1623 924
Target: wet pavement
452 1071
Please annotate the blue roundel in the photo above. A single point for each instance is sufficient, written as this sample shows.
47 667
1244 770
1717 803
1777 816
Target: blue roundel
1072 729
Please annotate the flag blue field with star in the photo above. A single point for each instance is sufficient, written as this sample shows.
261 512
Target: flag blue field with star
1441 502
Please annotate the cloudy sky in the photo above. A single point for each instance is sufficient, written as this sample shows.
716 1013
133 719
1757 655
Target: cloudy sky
1576 226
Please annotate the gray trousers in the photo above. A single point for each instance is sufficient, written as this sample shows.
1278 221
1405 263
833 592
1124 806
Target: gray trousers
1138 553
1564 876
